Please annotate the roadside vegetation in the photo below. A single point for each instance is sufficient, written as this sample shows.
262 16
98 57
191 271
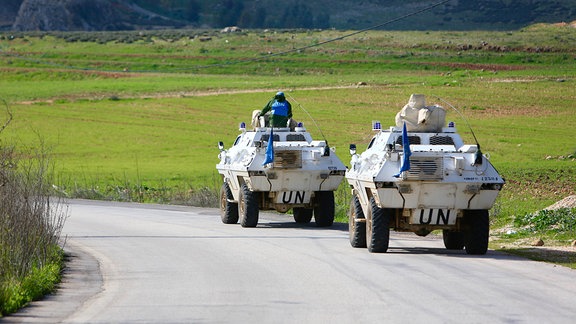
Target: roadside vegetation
135 116
31 258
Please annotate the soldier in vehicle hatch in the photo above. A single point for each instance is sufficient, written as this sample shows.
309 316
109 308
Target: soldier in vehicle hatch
280 110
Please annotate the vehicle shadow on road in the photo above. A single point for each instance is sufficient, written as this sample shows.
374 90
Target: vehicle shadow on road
304 226
491 254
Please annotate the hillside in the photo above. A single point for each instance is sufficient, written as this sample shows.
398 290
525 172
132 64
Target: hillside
24 15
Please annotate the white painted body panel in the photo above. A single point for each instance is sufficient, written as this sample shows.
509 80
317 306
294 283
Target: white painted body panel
443 175
301 166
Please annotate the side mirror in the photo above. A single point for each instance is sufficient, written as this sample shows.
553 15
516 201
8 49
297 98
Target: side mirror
221 146
352 149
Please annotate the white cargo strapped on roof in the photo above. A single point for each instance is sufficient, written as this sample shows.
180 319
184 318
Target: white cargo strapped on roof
419 117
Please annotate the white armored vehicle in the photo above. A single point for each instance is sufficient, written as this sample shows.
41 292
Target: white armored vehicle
418 177
278 169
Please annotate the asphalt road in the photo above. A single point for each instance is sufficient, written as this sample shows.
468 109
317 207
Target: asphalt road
132 263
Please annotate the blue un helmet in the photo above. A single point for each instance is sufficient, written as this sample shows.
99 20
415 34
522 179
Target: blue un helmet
279 95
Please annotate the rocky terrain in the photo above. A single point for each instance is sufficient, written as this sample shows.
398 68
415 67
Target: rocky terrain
87 15
66 15
91 15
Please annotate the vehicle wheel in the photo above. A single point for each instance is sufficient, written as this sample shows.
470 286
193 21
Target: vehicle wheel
302 215
324 208
453 240
228 209
478 231
378 228
248 207
356 230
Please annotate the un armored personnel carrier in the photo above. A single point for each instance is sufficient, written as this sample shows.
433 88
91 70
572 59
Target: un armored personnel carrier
278 169
419 176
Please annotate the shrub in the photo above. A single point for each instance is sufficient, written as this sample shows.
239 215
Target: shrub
561 220
30 227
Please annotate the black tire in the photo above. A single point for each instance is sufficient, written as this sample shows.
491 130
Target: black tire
378 228
477 231
248 207
356 230
453 240
302 215
228 209
324 208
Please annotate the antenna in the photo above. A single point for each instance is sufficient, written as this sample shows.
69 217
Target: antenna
310 116
478 157
327 148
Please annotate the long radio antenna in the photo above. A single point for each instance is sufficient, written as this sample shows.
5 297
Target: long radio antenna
310 116
478 158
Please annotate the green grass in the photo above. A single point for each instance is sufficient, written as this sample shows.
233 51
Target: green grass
16 292
100 137
139 117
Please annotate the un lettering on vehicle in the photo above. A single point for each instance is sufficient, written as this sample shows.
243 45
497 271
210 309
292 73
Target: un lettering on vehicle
434 216
293 197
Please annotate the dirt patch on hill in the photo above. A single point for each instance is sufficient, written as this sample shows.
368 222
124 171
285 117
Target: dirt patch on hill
184 94
479 66
503 111
568 202
85 73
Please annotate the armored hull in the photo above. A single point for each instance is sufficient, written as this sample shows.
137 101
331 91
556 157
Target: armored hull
420 181
301 174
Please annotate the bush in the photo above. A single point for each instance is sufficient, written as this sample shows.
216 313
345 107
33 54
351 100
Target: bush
16 293
30 227
561 220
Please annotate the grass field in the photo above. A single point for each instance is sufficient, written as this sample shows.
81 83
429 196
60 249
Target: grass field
137 115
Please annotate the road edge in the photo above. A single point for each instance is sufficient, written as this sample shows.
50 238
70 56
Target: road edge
81 280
